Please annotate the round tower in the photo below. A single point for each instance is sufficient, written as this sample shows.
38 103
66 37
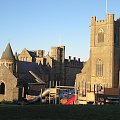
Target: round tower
8 59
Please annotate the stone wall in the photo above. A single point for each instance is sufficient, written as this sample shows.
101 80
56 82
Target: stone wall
10 82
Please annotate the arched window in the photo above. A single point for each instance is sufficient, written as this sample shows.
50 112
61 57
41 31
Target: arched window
99 68
2 88
100 35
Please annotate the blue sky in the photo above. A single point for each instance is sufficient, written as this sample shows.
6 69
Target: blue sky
40 24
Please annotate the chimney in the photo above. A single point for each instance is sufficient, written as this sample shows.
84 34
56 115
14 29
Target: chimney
44 61
78 59
41 53
69 57
74 58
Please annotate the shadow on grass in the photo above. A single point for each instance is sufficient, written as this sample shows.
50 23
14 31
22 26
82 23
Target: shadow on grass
60 112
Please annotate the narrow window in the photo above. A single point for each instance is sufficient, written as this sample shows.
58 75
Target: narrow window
2 88
99 68
100 36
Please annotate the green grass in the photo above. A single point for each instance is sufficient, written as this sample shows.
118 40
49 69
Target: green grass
60 112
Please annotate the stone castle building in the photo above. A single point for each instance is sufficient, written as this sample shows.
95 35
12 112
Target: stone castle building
18 78
103 67
30 71
54 64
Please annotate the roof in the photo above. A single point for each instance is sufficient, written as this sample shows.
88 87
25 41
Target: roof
5 71
8 54
31 78
24 67
32 54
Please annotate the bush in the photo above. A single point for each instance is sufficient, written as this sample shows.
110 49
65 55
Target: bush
5 102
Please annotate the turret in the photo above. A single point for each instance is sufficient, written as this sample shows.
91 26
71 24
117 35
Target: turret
8 58
110 18
93 20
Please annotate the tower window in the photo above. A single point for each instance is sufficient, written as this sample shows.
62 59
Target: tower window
99 68
100 35
2 88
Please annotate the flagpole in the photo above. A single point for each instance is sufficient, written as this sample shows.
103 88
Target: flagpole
106 6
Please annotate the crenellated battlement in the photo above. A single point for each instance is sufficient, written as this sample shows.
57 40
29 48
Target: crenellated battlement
73 62
109 19
99 22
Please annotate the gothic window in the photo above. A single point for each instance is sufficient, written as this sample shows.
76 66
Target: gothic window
99 68
2 88
100 35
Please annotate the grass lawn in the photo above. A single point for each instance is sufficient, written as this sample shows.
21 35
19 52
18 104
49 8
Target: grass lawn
60 112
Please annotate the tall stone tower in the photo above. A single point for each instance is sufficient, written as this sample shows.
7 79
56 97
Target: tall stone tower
8 59
104 51
58 54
